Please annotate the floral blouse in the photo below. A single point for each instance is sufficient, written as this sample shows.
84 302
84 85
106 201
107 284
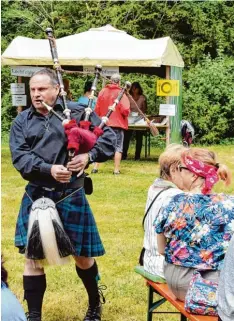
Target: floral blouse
198 229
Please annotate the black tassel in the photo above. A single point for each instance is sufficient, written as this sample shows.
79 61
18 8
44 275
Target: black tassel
65 248
34 250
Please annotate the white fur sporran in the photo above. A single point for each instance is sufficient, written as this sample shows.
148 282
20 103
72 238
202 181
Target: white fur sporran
46 240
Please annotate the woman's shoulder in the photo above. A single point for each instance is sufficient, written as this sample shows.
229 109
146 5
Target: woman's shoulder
197 202
142 97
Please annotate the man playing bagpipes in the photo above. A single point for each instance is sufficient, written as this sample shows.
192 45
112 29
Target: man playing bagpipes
39 152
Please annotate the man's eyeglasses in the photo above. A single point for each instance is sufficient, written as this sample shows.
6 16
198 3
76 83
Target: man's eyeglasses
180 167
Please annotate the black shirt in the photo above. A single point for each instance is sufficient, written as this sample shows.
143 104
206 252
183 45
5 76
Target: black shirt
37 142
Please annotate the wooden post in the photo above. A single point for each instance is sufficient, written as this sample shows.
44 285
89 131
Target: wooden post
103 82
19 108
168 130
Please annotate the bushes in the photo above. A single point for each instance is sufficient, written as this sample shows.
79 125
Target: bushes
208 99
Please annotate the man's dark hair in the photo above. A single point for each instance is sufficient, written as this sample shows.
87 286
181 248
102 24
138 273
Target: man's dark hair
87 86
50 73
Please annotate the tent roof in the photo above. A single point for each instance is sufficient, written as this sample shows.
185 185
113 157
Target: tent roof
106 46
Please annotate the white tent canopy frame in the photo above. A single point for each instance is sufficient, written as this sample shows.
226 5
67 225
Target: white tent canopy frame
106 46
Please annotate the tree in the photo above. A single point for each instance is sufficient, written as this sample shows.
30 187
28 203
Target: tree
198 28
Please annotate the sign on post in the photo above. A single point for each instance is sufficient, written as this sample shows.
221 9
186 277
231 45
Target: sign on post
106 71
17 88
19 100
167 109
167 87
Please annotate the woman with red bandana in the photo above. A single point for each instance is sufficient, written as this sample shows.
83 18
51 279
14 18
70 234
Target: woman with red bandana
195 228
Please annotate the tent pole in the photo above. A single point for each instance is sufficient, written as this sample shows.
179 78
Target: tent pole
19 108
168 131
103 82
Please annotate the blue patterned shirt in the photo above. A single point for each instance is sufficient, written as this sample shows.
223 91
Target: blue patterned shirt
198 229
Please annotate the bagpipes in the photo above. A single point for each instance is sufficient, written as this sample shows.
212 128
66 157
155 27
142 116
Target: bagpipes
81 137
187 133
47 242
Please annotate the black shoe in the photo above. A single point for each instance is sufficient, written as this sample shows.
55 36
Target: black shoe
94 313
33 316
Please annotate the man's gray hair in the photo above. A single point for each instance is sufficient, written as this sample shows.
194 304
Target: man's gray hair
48 72
115 78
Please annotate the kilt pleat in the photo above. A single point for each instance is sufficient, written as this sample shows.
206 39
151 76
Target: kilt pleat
75 214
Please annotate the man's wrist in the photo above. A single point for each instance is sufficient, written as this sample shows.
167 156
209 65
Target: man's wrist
45 168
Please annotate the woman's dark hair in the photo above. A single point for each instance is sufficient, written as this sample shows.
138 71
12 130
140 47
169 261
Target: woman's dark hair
4 273
138 86
88 86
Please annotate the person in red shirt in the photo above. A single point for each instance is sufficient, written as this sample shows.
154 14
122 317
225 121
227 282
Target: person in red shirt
118 120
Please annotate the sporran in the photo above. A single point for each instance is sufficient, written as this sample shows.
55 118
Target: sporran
46 239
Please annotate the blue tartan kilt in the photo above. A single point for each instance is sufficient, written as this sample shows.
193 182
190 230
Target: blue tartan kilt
75 214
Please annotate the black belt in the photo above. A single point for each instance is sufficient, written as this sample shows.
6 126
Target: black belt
61 187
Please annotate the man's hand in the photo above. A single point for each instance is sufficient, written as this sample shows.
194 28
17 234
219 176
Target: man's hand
61 173
78 163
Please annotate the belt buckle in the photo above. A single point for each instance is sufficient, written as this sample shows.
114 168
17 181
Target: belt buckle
49 189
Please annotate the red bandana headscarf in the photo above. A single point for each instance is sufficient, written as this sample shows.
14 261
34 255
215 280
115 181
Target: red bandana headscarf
199 168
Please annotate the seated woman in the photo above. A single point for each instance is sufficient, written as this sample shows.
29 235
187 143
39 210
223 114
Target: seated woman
83 100
195 228
11 310
159 194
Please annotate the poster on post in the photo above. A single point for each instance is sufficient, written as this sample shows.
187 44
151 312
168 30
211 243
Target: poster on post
17 89
19 100
167 110
166 87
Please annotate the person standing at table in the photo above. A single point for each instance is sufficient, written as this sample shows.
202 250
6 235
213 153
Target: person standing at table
138 98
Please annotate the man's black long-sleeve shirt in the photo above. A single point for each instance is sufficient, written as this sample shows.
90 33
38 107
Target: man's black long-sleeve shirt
37 142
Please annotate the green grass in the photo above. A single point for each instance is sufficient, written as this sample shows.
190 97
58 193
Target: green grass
118 203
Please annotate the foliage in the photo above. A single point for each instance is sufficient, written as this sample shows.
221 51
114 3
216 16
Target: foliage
198 28
209 91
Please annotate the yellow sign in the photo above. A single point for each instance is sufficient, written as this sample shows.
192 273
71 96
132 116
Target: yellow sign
168 87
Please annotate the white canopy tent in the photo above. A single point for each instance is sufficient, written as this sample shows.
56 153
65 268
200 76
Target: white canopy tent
106 46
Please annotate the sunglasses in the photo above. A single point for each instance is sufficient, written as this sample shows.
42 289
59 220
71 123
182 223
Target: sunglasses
180 168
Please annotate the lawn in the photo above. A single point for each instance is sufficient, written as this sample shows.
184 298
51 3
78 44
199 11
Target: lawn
118 204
